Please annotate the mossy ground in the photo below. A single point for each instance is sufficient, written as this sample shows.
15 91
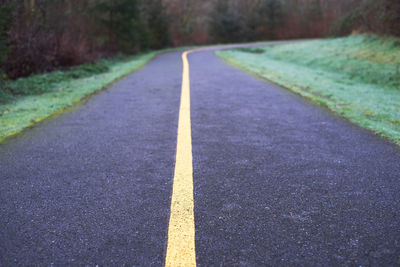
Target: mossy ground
357 77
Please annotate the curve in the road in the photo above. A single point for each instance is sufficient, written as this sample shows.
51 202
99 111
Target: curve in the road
276 180
181 241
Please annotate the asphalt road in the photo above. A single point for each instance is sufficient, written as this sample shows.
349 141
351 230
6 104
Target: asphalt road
277 180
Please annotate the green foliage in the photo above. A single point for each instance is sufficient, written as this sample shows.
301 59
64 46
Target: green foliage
271 15
5 25
122 19
227 25
391 16
230 24
357 76
270 12
381 17
133 24
346 24
157 24
314 11
42 83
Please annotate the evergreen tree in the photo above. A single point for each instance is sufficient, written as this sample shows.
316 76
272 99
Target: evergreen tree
157 24
5 24
6 19
122 19
391 16
270 13
314 11
226 24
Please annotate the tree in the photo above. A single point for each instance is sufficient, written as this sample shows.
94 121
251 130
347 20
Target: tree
5 25
390 15
6 19
270 13
226 24
157 23
122 19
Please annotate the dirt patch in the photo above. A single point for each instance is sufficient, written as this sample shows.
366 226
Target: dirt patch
251 50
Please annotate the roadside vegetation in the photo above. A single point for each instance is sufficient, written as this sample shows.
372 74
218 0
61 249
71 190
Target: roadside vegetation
44 35
52 49
357 77
29 100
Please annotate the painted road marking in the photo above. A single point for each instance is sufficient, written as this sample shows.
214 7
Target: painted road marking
181 242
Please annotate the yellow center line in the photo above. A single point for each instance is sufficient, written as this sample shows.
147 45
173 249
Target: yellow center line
181 242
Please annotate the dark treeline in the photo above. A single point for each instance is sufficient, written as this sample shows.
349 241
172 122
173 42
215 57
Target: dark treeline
249 20
42 35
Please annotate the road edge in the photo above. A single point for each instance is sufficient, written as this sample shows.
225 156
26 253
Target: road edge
307 95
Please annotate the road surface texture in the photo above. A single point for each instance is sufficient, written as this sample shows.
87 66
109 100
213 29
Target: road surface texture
277 180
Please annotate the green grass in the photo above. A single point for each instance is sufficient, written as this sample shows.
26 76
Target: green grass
32 99
357 77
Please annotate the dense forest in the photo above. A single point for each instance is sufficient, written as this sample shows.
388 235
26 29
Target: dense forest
42 35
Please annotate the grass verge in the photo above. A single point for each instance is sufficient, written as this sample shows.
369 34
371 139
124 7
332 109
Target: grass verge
357 77
28 101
